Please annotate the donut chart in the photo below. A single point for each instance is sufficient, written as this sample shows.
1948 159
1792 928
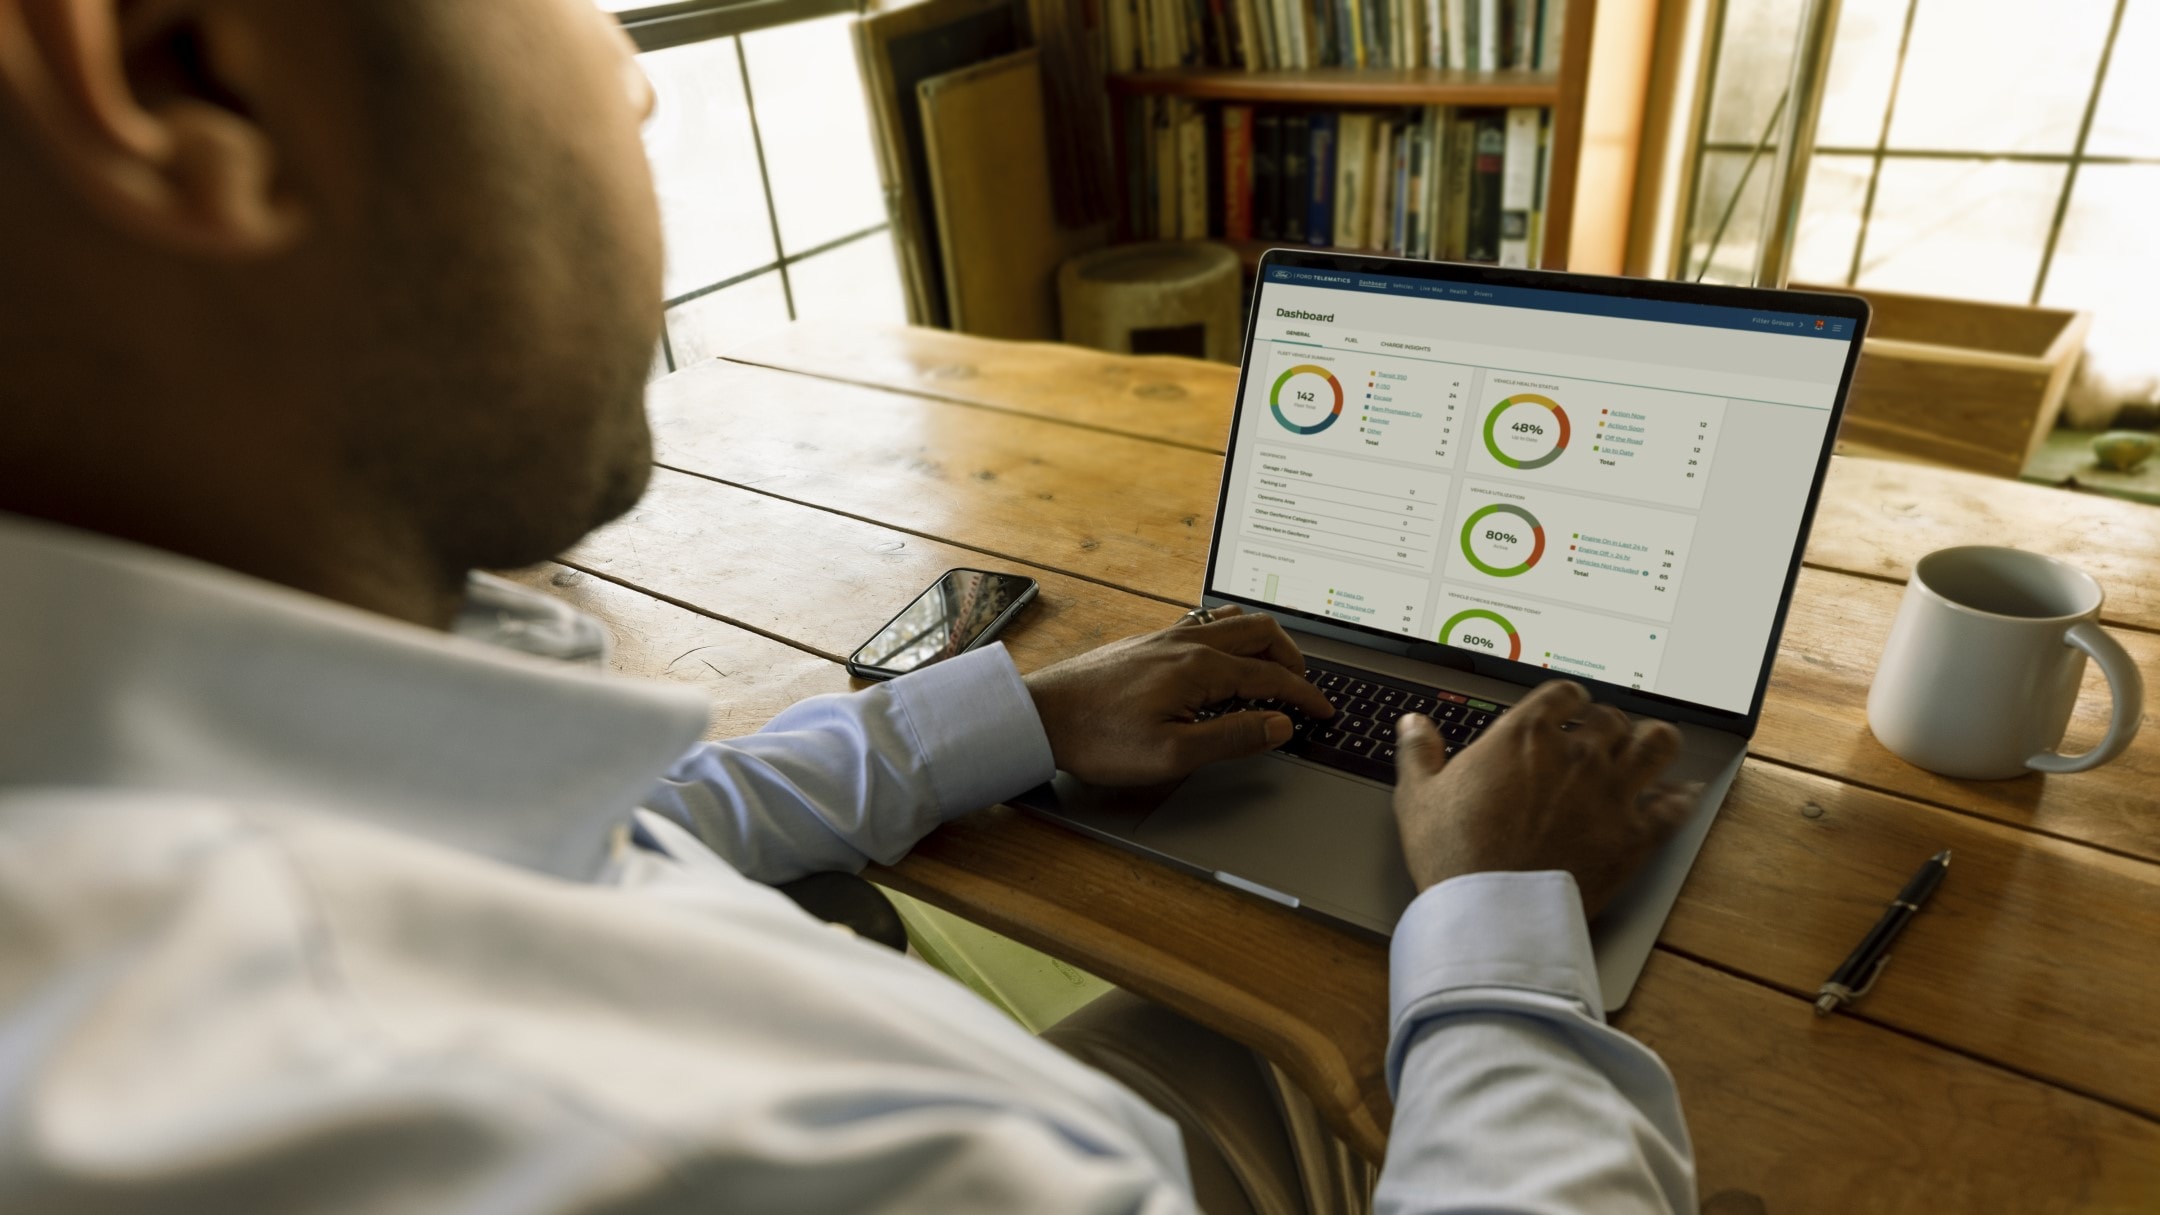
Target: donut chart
1522 444
1305 401
1502 549
1492 632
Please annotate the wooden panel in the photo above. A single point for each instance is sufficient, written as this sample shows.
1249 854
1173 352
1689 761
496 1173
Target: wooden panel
1970 324
1982 418
1815 717
825 582
1564 165
1001 245
1877 518
1129 512
1174 400
897 49
2012 961
1345 86
1614 94
750 678
1793 1114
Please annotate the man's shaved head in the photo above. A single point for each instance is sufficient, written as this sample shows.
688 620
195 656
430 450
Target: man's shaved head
355 295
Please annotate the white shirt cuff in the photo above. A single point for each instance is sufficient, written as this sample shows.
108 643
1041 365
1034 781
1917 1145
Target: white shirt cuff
976 729
1480 940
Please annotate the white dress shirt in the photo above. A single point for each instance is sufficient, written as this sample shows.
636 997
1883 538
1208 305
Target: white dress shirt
302 909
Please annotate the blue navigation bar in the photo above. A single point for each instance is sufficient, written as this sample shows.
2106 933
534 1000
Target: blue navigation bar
1836 328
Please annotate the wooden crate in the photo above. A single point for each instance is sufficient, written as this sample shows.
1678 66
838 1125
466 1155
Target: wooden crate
1962 383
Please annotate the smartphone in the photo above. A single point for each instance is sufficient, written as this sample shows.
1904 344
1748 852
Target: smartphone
961 611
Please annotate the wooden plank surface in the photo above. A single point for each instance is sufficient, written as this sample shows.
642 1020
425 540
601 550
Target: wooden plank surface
750 678
2028 955
1815 717
2002 1066
1126 511
1812 856
1175 400
1795 1115
825 582
1877 518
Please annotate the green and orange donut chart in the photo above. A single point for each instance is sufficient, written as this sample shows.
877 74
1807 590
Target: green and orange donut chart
1533 401
1275 399
1448 635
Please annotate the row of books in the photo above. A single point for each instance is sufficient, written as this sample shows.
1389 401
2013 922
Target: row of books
1263 35
1459 184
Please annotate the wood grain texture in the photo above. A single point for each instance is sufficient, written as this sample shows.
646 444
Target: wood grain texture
1795 1115
1877 518
985 143
2033 988
749 678
825 582
2029 955
1175 400
1129 512
2003 1063
1815 717
1982 418
1308 997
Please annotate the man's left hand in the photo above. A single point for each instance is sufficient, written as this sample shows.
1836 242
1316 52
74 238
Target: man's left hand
1128 713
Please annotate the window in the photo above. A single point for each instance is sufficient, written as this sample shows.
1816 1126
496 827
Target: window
768 180
1990 149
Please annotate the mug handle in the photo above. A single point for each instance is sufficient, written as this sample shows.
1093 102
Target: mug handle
2128 688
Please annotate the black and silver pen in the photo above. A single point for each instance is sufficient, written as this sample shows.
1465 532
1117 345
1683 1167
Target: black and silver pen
1864 965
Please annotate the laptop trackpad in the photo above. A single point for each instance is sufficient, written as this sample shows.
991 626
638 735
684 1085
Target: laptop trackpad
1293 828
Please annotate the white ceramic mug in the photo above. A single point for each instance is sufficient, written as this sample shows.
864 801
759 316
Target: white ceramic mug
1982 667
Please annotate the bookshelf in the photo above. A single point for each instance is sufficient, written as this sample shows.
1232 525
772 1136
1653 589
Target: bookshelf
1596 98
1345 86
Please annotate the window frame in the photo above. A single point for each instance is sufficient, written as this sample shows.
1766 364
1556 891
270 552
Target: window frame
667 26
1880 152
659 27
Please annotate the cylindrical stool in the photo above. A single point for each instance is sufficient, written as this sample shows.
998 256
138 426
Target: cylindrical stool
1168 297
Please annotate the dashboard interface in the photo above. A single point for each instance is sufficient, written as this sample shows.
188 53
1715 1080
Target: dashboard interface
1610 488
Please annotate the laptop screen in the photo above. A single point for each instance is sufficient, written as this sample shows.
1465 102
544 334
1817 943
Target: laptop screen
1596 484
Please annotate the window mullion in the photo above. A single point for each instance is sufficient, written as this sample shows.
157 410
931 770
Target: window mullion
772 212
1882 144
2077 153
1711 67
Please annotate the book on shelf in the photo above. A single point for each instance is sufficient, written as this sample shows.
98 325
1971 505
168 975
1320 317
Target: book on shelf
1518 184
1454 183
1353 149
1280 35
1320 177
1488 154
1296 152
1192 174
1237 161
1267 176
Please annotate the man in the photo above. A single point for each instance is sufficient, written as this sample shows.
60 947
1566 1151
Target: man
311 309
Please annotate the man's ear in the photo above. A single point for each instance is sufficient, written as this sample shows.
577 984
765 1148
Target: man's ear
141 107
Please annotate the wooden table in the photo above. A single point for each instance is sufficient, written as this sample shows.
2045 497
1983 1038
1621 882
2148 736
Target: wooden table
2010 1061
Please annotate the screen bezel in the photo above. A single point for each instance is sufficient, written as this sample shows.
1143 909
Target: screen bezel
1029 590
1805 303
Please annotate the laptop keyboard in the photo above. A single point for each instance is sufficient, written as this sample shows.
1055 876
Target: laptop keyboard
1360 738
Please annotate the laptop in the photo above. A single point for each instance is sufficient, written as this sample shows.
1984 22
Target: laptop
1451 483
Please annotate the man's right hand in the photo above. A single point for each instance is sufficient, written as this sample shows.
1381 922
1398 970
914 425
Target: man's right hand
1556 783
